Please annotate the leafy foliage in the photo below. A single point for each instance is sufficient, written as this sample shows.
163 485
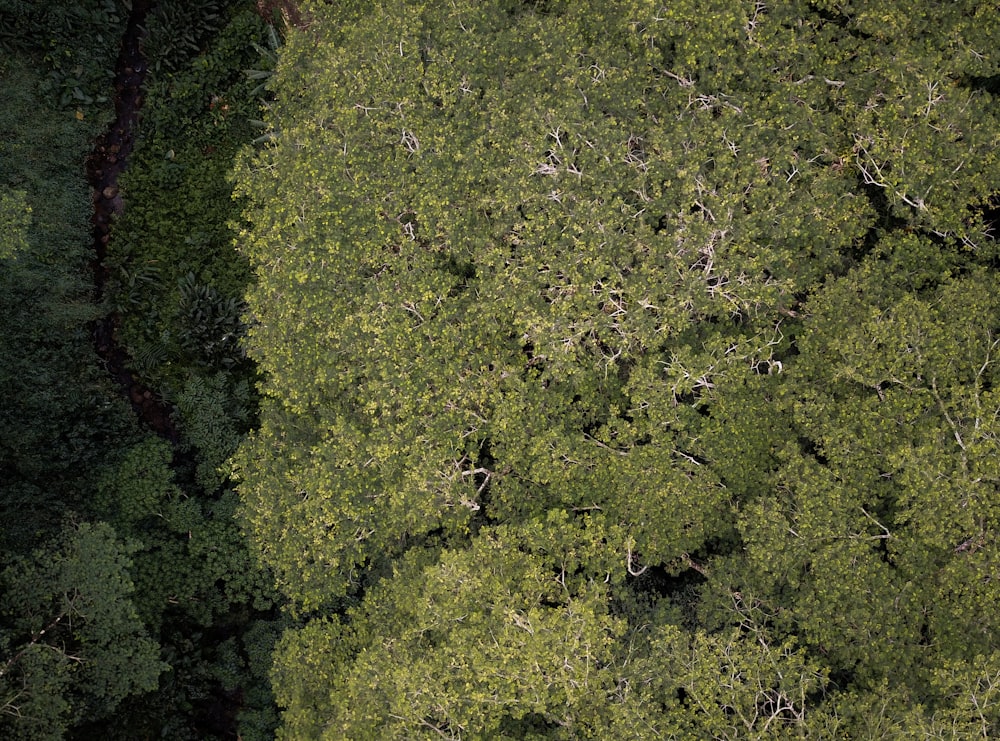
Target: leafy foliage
216 411
71 449
73 43
655 340
73 644
59 415
177 293
16 218
179 282
177 31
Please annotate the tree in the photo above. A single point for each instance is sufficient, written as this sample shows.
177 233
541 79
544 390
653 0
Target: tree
73 645
15 215
885 511
532 274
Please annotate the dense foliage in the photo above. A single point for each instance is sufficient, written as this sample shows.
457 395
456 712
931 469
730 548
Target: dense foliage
57 417
630 369
177 282
129 606
72 47
72 646
616 369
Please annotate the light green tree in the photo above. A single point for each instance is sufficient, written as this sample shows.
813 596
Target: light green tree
698 293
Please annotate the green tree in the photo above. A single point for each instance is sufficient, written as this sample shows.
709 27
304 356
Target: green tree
15 216
885 503
73 646
706 285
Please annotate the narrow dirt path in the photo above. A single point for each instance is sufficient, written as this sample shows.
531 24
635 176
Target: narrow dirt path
107 161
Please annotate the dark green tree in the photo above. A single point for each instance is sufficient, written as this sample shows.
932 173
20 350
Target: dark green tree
73 646
136 631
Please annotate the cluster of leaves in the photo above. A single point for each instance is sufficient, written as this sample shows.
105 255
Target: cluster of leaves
195 582
75 43
73 642
179 30
179 282
629 369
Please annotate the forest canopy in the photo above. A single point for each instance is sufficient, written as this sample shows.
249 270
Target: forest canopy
129 604
630 369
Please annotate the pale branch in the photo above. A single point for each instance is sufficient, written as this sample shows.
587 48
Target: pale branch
628 561
878 524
